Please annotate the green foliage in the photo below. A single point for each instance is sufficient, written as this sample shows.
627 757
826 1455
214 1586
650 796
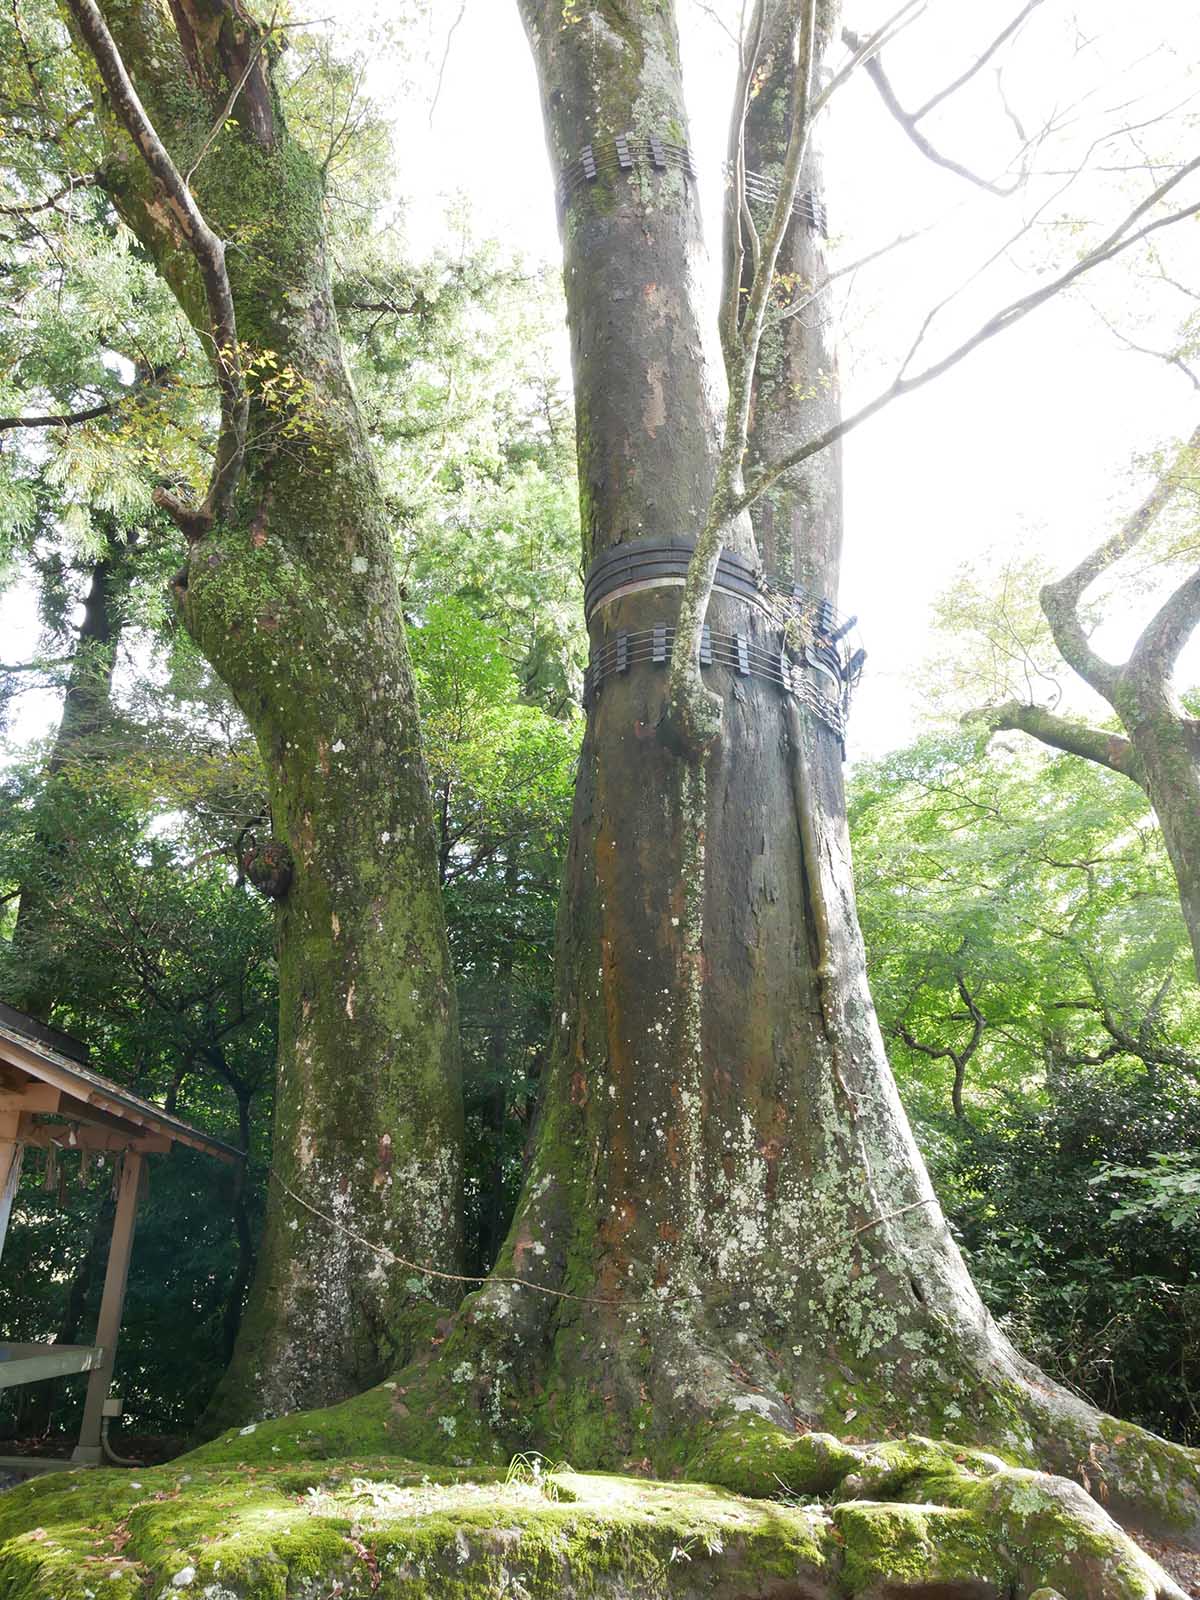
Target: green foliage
1043 886
1039 890
1103 1294
457 359
1167 1189
502 772
162 962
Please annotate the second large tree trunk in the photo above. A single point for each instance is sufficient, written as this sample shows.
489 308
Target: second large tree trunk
293 599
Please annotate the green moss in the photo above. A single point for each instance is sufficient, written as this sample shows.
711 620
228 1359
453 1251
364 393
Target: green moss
753 1457
383 1526
903 1544
377 1527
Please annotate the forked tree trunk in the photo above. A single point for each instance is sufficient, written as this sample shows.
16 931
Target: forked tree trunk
292 597
736 1231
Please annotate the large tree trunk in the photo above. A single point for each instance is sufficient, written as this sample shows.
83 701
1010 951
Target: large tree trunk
292 597
733 1231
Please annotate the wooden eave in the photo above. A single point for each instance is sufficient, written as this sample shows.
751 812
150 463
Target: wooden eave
36 1078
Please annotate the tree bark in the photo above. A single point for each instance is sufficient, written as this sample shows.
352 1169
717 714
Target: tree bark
733 1230
290 592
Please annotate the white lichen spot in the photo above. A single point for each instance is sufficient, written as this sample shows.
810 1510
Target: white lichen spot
758 1403
185 1577
359 564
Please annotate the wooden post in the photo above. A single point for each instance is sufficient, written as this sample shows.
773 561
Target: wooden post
11 1151
112 1304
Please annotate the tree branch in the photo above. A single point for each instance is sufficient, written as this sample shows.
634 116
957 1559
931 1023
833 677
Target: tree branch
1060 600
52 200
61 419
1118 241
978 64
909 120
1111 750
1164 636
209 254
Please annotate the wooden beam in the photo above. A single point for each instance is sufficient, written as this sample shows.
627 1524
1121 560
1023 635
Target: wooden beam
33 1096
33 1363
112 1304
11 1152
42 1134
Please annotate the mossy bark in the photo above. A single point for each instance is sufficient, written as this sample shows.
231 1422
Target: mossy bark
293 599
1161 755
726 1208
1166 743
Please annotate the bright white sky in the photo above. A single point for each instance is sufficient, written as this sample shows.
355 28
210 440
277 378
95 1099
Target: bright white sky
1033 437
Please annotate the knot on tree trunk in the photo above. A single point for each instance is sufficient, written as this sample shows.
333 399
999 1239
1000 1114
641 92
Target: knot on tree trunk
691 721
269 867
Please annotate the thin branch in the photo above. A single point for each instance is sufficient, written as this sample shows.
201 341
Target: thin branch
227 109
46 205
209 254
908 121
980 62
1118 241
692 710
454 26
884 34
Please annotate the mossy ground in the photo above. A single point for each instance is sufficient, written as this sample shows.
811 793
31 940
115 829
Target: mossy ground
907 1518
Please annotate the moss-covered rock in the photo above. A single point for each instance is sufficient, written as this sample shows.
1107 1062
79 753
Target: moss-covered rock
386 1527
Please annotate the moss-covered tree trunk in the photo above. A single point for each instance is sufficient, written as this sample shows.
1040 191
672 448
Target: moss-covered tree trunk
732 1230
1167 742
291 594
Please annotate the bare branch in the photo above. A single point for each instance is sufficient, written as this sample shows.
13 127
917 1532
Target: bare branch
1118 241
875 41
980 62
908 121
453 29
209 254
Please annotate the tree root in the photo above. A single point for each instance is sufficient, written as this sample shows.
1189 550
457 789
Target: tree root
910 1519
